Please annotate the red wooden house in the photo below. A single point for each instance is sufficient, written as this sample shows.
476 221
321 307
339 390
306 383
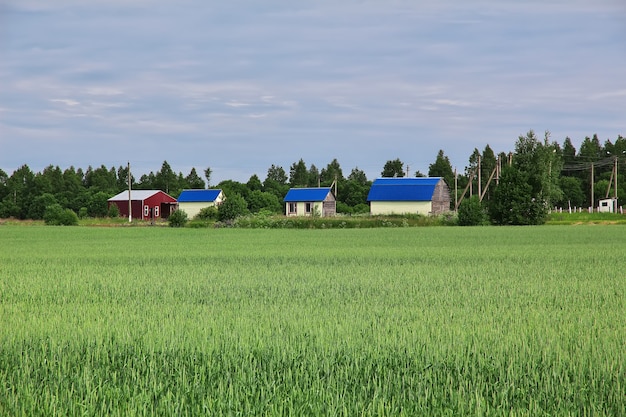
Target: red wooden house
146 204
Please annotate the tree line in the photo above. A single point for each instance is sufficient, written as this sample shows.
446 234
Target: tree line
537 175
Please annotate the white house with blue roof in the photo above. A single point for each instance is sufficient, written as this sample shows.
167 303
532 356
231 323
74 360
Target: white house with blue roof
192 201
310 201
421 195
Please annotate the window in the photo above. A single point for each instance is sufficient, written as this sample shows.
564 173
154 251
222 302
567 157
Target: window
156 211
146 211
292 208
308 207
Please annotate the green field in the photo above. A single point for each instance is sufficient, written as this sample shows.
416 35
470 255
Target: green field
522 321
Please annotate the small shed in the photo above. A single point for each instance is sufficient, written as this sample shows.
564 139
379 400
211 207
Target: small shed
310 201
607 205
192 201
145 204
421 195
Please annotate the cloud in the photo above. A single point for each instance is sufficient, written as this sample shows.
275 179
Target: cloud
272 82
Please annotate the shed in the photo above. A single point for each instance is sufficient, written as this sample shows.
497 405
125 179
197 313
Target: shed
192 201
607 205
310 201
146 204
422 195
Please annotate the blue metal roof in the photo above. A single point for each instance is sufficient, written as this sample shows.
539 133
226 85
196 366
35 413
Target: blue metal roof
306 194
403 189
197 196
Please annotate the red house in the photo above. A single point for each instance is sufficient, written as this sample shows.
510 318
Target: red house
146 204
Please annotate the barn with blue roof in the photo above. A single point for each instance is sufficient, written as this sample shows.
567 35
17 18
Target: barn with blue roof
192 201
310 201
422 195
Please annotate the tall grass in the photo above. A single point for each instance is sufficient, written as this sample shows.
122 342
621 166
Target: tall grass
403 321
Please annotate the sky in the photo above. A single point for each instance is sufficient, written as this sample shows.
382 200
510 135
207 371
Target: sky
241 85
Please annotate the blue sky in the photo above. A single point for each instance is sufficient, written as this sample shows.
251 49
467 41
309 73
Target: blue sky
240 85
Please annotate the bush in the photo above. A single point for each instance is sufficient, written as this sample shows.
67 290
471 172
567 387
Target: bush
38 206
471 212
82 213
207 213
233 207
98 205
178 219
114 211
55 215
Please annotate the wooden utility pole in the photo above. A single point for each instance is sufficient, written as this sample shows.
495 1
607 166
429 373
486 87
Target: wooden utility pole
615 192
456 191
498 168
130 201
493 172
592 199
480 186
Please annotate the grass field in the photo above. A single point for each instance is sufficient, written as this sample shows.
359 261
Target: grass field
526 321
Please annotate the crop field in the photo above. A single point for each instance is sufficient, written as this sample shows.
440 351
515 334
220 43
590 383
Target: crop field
495 321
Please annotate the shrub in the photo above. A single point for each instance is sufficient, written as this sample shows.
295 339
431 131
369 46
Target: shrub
55 215
97 205
82 212
178 219
471 212
207 213
233 207
114 211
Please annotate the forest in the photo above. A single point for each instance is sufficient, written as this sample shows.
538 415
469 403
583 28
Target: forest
539 174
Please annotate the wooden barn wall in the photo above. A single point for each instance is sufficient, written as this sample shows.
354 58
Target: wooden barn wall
441 198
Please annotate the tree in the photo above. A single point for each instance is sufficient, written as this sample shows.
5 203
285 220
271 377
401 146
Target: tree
541 164
276 182
513 202
353 191
591 150
101 179
331 173
19 192
254 183
298 174
194 181
442 168
276 173
393 168
230 187
357 175
314 176
122 178
3 183
569 152
98 205
165 179
234 206
260 200
38 206
573 195
207 175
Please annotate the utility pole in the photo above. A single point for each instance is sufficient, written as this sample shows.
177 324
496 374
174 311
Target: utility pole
480 185
130 203
456 186
592 200
615 192
498 168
